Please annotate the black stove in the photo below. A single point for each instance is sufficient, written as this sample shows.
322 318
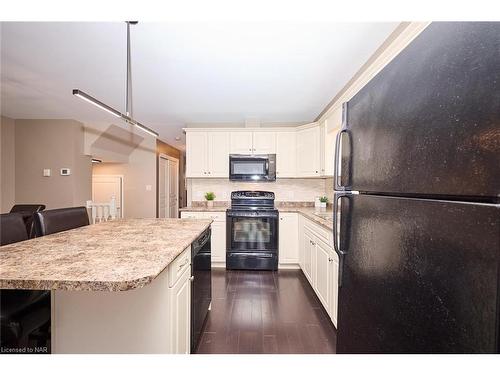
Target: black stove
252 231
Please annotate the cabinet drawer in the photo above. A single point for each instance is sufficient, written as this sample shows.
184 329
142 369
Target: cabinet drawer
322 233
178 266
215 216
190 215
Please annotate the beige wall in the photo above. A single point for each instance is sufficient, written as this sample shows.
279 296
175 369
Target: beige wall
51 144
286 189
7 164
134 157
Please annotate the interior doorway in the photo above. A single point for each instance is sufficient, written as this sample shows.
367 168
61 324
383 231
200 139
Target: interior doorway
104 187
168 186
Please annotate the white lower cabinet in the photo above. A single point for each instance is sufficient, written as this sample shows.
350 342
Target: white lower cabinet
320 265
334 293
218 240
181 314
309 250
288 238
322 273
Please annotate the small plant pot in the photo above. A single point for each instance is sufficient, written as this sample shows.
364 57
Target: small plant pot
210 204
322 206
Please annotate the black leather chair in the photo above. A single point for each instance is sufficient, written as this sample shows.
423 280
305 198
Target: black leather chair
27 210
61 219
12 228
22 312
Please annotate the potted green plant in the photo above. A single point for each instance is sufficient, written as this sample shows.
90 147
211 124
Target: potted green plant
210 196
323 201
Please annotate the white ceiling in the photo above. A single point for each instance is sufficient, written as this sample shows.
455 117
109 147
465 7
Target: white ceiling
182 72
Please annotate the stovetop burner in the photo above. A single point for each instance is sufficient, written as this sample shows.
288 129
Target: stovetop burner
252 200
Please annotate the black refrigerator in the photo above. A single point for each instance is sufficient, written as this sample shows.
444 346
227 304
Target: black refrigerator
417 199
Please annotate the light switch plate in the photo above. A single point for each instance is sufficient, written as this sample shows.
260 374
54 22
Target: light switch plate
46 173
148 187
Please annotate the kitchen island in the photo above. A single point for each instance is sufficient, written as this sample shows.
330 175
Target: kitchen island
117 287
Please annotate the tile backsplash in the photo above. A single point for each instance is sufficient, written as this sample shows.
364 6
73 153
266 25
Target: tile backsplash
286 189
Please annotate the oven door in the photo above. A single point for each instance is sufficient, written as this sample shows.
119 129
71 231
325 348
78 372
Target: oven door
252 231
252 167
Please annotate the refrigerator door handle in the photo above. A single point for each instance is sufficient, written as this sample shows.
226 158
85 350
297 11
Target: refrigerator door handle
336 231
336 177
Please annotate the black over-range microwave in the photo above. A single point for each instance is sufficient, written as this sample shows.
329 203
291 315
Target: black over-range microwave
252 167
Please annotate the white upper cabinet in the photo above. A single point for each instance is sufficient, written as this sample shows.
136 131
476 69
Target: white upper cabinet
207 154
308 152
218 154
241 142
286 147
332 125
196 154
264 142
305 151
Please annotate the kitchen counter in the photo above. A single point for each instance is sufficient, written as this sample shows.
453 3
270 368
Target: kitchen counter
305 209
116 255
323 218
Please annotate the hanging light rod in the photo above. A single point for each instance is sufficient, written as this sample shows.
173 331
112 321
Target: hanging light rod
82 95
128 116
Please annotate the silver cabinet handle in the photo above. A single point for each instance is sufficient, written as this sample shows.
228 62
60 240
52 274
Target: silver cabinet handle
184 263
191 278
249 149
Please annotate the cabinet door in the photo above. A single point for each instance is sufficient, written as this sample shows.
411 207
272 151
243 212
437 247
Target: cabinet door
308 152
181 314
288 238
218 241
218 154
322 273
241 143
264 142
309 250
196 154
334 271
333 125
286 154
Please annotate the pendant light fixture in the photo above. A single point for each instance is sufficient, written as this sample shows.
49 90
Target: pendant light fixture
127 117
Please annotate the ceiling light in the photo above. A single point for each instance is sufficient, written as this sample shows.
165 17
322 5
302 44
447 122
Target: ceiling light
125 117
96 102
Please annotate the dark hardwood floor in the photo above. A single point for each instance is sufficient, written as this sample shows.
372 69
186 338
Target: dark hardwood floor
265 312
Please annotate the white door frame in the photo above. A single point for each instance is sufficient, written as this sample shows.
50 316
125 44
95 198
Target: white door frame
171 158
122 195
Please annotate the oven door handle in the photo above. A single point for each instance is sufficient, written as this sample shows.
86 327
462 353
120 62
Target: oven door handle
253 255
259 216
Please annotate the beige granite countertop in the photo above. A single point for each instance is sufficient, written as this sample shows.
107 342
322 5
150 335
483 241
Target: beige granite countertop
303 208
111 256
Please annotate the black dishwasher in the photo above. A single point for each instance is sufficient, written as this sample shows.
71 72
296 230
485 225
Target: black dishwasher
201 288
